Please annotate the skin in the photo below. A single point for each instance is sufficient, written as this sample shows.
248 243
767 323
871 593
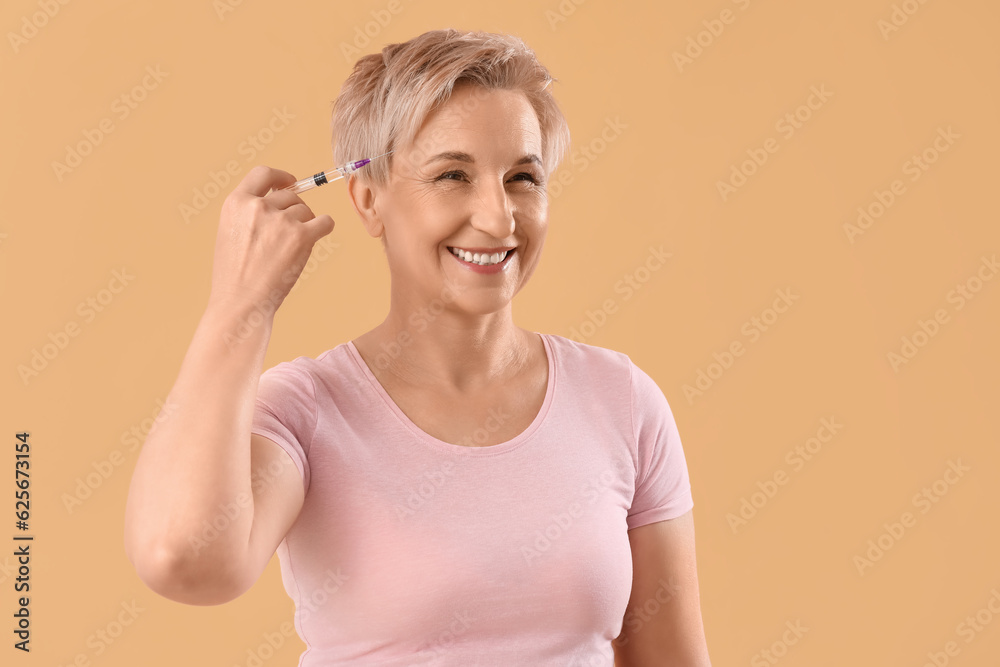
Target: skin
663 625
466 357
471 357
473 346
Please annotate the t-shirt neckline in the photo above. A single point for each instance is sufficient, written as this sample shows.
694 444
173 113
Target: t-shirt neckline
433 442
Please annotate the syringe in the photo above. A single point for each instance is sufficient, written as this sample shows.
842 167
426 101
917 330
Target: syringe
334 174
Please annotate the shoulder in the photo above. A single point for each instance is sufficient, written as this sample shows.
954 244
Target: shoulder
297 369
601 366
612 371
584 359
307 371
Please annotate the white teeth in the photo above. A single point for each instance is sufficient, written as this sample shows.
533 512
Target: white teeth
477 258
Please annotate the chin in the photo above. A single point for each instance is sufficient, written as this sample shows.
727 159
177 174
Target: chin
474 306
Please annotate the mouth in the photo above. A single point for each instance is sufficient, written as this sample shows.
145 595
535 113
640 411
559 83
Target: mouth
498 257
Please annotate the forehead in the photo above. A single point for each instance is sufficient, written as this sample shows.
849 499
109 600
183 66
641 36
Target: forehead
476 115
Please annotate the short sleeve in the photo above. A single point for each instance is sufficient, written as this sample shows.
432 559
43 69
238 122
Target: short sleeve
662 487
285 411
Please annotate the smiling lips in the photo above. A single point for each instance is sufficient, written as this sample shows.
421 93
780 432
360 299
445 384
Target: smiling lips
483 257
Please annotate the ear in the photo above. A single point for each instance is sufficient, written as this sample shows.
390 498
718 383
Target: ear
363 199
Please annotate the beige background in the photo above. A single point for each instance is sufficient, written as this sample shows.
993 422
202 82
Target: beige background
653 181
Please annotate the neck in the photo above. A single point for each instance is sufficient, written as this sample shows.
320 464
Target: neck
459 354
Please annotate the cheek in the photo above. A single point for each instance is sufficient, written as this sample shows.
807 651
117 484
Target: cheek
429 219
534 206
439 212
419 213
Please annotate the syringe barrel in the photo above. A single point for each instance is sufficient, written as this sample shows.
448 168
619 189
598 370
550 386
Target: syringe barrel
313 181
352 167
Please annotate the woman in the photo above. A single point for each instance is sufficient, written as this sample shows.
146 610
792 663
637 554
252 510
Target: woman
447 488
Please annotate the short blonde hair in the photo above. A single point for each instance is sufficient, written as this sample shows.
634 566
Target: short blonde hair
388 96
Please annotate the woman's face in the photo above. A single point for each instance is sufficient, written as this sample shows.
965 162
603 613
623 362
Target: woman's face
472 179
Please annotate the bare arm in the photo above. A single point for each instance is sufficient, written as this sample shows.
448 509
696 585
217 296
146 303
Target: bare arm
663 625
197 530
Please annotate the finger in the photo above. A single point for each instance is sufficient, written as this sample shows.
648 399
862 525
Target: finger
319 226
300 212
282 199
262 179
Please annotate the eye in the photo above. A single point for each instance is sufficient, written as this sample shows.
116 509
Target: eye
529 177
446 176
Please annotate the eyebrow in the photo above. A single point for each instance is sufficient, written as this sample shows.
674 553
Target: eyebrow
460 156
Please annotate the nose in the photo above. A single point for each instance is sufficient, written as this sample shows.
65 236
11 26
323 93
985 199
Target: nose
492 212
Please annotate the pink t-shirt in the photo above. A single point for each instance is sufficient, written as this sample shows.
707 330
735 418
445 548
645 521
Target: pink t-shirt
413 551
